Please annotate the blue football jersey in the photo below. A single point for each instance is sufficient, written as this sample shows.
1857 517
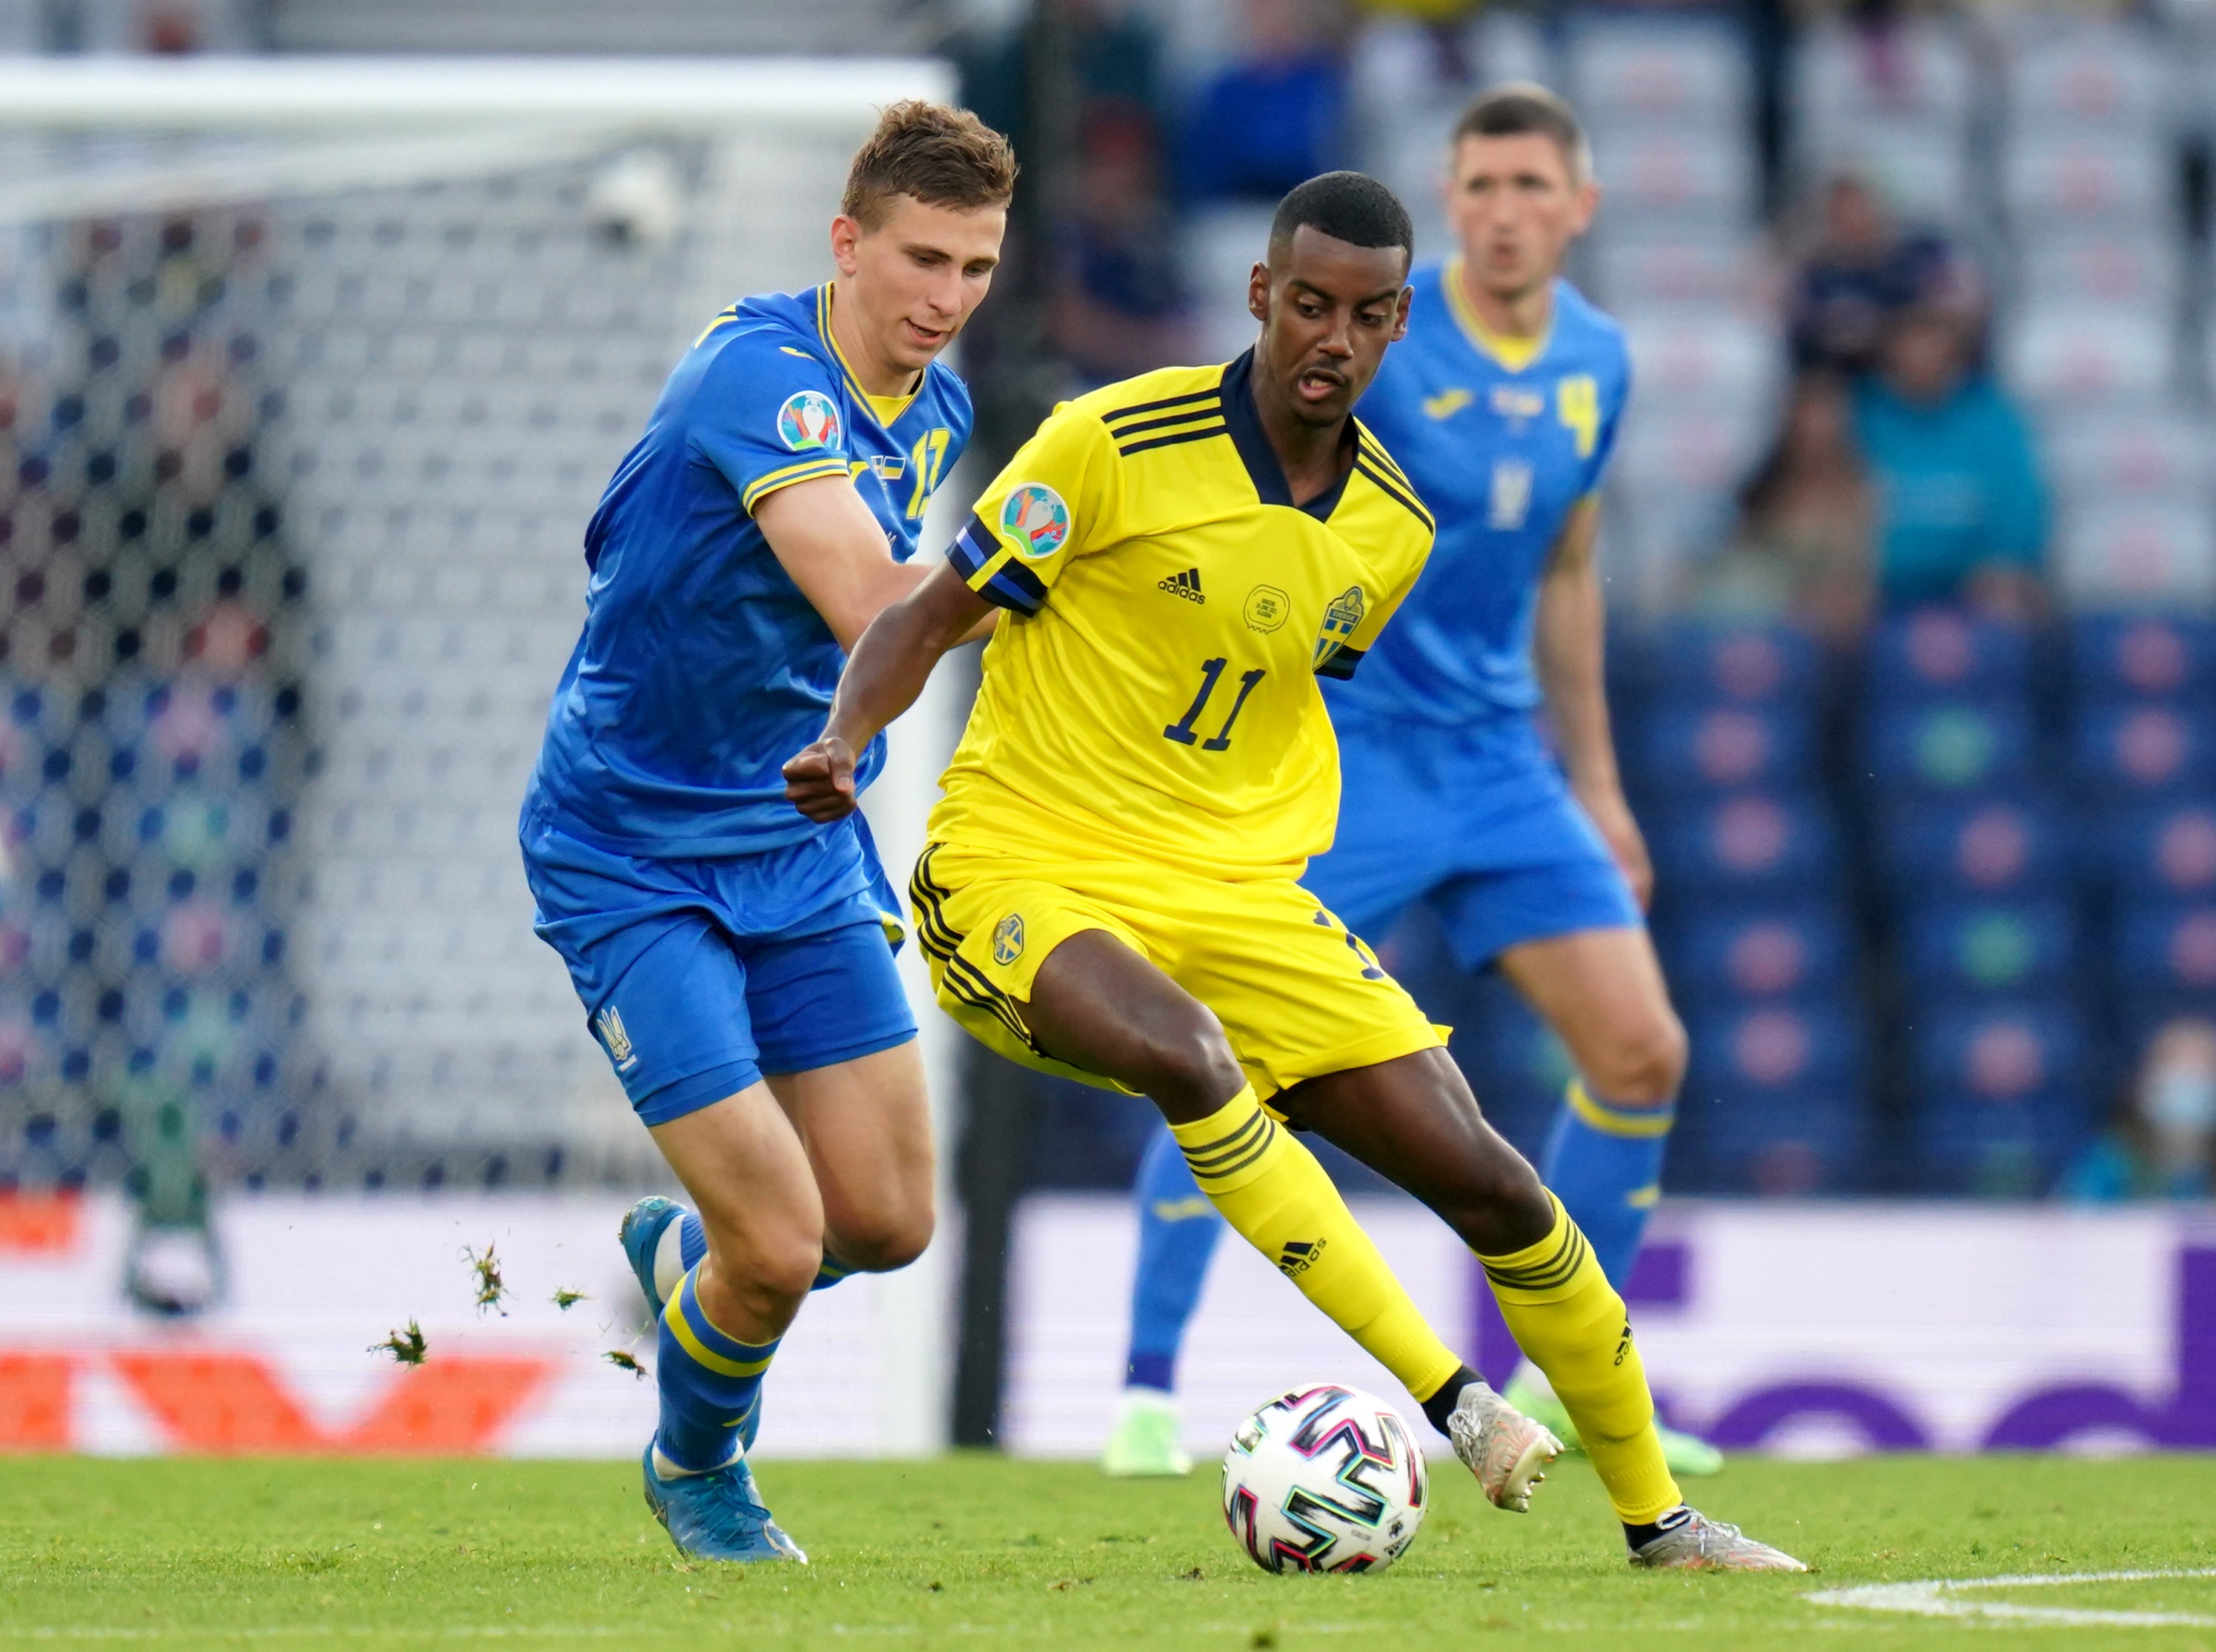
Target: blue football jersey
702 667
1500 455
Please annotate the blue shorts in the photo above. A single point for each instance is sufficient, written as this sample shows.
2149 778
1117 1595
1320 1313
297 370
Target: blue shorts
697 976
1484 830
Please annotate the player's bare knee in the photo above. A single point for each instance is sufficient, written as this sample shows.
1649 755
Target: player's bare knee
784 1271
1502 1204
883 1242
1644 1065
767 1267
1190 1069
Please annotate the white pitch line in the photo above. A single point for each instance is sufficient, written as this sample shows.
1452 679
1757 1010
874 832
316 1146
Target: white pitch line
1938 1598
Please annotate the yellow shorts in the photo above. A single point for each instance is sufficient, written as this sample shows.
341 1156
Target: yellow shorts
1298 995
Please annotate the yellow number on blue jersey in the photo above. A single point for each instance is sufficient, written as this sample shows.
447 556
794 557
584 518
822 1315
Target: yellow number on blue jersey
927 456
1577 405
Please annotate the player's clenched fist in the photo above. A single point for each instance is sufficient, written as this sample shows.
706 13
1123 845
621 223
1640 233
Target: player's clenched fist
820 780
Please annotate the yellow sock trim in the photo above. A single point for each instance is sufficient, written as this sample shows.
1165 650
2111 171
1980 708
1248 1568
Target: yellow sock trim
1618 1121
1270 1188
1572 1324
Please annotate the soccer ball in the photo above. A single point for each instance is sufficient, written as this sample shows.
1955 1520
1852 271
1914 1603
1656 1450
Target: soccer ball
1324 1479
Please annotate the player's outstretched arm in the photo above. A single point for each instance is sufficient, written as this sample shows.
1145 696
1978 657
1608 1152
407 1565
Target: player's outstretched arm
886 669
825 537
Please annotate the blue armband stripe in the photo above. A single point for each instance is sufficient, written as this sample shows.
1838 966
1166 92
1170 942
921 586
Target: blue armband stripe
1014 587
972 547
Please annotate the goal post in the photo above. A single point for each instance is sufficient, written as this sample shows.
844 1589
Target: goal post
311 372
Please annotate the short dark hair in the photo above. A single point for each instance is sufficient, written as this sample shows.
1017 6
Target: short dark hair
1349 206
942 157
1523 107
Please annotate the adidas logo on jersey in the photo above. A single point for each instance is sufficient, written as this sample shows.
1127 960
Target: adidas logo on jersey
1186 585
1298 1256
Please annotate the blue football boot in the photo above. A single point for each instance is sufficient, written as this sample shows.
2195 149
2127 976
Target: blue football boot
717 1515
643 1224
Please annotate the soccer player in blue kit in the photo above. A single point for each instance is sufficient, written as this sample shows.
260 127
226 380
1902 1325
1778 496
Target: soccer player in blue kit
1502 405
733 958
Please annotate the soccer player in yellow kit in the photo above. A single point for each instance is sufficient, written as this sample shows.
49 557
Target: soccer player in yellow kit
1111 890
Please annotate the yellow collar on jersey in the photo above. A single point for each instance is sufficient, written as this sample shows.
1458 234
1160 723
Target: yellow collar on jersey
1513 354
887 408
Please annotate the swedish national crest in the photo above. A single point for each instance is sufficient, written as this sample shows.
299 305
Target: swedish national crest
1341 621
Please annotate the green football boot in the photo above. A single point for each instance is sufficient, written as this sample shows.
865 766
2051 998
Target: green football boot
1687 1455
1145 1439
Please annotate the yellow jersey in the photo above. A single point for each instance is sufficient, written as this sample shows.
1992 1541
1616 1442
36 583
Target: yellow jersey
1151 692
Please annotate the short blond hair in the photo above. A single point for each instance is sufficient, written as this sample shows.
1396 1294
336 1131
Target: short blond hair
940 156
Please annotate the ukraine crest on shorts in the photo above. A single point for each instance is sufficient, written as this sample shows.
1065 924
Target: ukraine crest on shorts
1341 621
1036 517
808 420
615 1038
1008 939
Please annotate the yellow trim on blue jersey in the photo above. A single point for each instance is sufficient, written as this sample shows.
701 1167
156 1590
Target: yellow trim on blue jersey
886 409
807 471
1513 354
1614 1121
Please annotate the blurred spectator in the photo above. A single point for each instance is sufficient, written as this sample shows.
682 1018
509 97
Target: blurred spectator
1111 51
1277 115
1861 272
1803 547
2163 1144
1119 305
1961 510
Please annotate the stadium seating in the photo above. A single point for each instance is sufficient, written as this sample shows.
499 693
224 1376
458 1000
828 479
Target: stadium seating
1647 74
1688 751
1773 1101
2167 947
1933 652
2123 751
2161 850
2077 180
1952 747
2145 275
1753 843
1994 946
1788 950
2154 553
1895 103
2000 1092
1988 846
1645 272
2116 656
2164 453
2097 75
1765 666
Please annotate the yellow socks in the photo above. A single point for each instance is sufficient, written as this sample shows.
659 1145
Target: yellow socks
1272 1189
1570 1322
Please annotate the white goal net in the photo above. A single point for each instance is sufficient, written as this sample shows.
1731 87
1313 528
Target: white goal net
310 374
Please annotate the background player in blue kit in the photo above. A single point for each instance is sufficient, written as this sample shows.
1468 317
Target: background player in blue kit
733 958
1502 405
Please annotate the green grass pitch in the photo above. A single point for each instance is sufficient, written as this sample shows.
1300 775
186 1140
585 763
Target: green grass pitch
974 1550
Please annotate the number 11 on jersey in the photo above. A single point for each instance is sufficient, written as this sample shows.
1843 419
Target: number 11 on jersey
1211 672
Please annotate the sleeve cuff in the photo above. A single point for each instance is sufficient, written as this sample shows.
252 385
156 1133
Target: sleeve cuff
1340 663
990 568
762 486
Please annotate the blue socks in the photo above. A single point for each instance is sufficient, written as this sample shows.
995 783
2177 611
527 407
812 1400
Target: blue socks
1604 1163
707 1381
1178 1231
692 1245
